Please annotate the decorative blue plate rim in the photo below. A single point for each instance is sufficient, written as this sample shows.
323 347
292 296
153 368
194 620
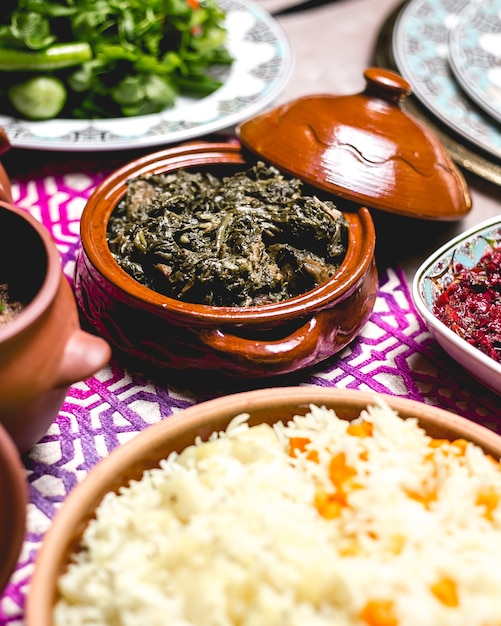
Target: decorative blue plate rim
472 55
420 45
436 272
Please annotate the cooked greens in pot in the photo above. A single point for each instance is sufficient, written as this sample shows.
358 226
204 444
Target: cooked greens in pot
247 239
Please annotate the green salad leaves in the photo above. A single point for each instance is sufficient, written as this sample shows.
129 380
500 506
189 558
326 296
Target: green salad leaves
113 57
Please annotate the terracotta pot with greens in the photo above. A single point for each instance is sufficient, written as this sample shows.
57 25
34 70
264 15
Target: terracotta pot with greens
257 277
255 257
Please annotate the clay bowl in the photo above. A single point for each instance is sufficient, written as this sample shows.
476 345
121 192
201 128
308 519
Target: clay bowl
13 503
129 461
162 333
43 350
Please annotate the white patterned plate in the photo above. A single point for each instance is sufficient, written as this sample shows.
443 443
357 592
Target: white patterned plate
262 66
433 277
475 54
421 51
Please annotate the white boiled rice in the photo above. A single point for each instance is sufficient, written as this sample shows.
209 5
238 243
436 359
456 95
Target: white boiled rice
368 525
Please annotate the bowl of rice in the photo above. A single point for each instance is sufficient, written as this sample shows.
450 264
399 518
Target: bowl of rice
283 506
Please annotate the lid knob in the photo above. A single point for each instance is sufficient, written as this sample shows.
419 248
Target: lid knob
386 85
363 147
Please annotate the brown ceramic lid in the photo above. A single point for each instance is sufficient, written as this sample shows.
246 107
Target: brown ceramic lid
364 148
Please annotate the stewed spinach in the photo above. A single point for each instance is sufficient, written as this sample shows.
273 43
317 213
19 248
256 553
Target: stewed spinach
245 239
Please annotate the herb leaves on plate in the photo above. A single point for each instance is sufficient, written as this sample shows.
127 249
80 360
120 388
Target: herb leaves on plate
248 239
114 57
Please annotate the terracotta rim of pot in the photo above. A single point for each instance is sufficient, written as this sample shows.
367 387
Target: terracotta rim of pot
104 199
14 501
48 290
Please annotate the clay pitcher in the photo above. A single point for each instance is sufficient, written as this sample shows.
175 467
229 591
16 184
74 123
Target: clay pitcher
43 349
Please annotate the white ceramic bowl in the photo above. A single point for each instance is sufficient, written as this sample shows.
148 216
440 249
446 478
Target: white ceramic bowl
435 274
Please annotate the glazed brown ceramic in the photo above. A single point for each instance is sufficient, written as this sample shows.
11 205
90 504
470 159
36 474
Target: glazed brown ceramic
363 147
13 502
43 350
129 461
258 341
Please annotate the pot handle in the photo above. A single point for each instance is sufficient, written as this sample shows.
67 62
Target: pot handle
297 346
83 356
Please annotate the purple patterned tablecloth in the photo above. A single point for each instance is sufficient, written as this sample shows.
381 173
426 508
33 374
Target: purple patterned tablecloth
394 354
